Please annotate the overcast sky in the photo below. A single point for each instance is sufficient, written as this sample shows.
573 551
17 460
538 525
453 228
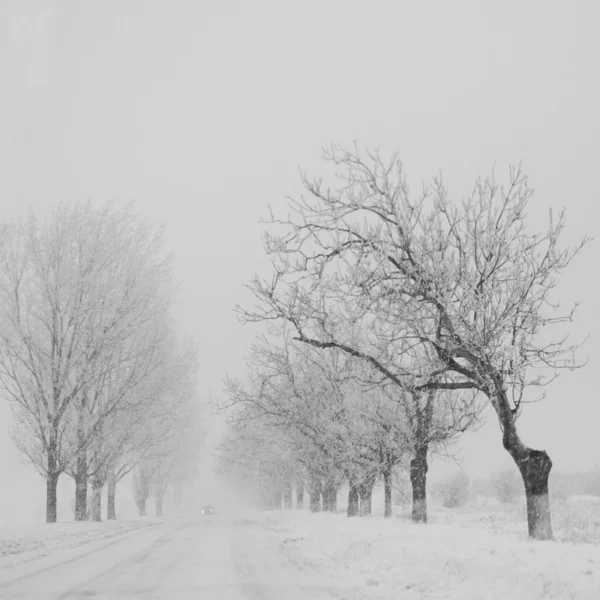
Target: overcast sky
204 110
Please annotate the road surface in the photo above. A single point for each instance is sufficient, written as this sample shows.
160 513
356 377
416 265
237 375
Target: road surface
226 559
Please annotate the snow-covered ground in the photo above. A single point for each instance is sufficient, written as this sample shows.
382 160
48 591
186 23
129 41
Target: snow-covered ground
24 542
479 552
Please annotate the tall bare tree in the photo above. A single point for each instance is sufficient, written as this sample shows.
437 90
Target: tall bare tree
74 287
467 282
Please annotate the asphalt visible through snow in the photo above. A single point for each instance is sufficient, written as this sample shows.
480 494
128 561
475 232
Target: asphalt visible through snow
214 558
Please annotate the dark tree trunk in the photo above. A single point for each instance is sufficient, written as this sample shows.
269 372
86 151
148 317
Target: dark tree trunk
418 479
535 467
299 494
52 475
97 501
51 497
387 487
352 496
535 470
81 466
159 505
315 491
81 488
111 513
288 500
141 504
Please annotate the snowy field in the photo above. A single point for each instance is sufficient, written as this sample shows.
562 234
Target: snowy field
478 552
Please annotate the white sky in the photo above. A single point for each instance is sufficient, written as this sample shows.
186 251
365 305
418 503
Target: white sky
203 111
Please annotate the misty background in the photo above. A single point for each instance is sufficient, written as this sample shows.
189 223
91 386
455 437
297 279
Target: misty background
204 111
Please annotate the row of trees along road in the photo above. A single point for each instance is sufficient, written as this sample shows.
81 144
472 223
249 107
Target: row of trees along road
98 378
319 418
442 304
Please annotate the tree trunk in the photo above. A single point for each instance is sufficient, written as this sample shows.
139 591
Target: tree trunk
330 496
535 470
288 501
159 504
111 513
81 488
299 494
51 496
418 479
141 504
352 496
97 501
365 493
52 475
315 494
535 467
387 486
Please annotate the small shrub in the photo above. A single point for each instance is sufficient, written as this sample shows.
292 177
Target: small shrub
453 491
506 485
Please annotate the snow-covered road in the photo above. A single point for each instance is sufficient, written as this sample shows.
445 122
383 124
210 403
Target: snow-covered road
230 559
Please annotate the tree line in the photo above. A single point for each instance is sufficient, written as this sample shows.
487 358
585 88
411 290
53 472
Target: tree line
393 319
100 381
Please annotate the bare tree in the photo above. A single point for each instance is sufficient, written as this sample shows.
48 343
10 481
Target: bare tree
338 427
73 289
468 283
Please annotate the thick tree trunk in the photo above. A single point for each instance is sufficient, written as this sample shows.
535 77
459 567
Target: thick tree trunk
299 494
97 501
535 467
418 479
330 496
315 494
111 513
81 487
387 487
51 496
159 504
535 470
352 496
141 504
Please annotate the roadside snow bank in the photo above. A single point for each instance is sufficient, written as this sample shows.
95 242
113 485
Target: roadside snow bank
24 542
380 560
